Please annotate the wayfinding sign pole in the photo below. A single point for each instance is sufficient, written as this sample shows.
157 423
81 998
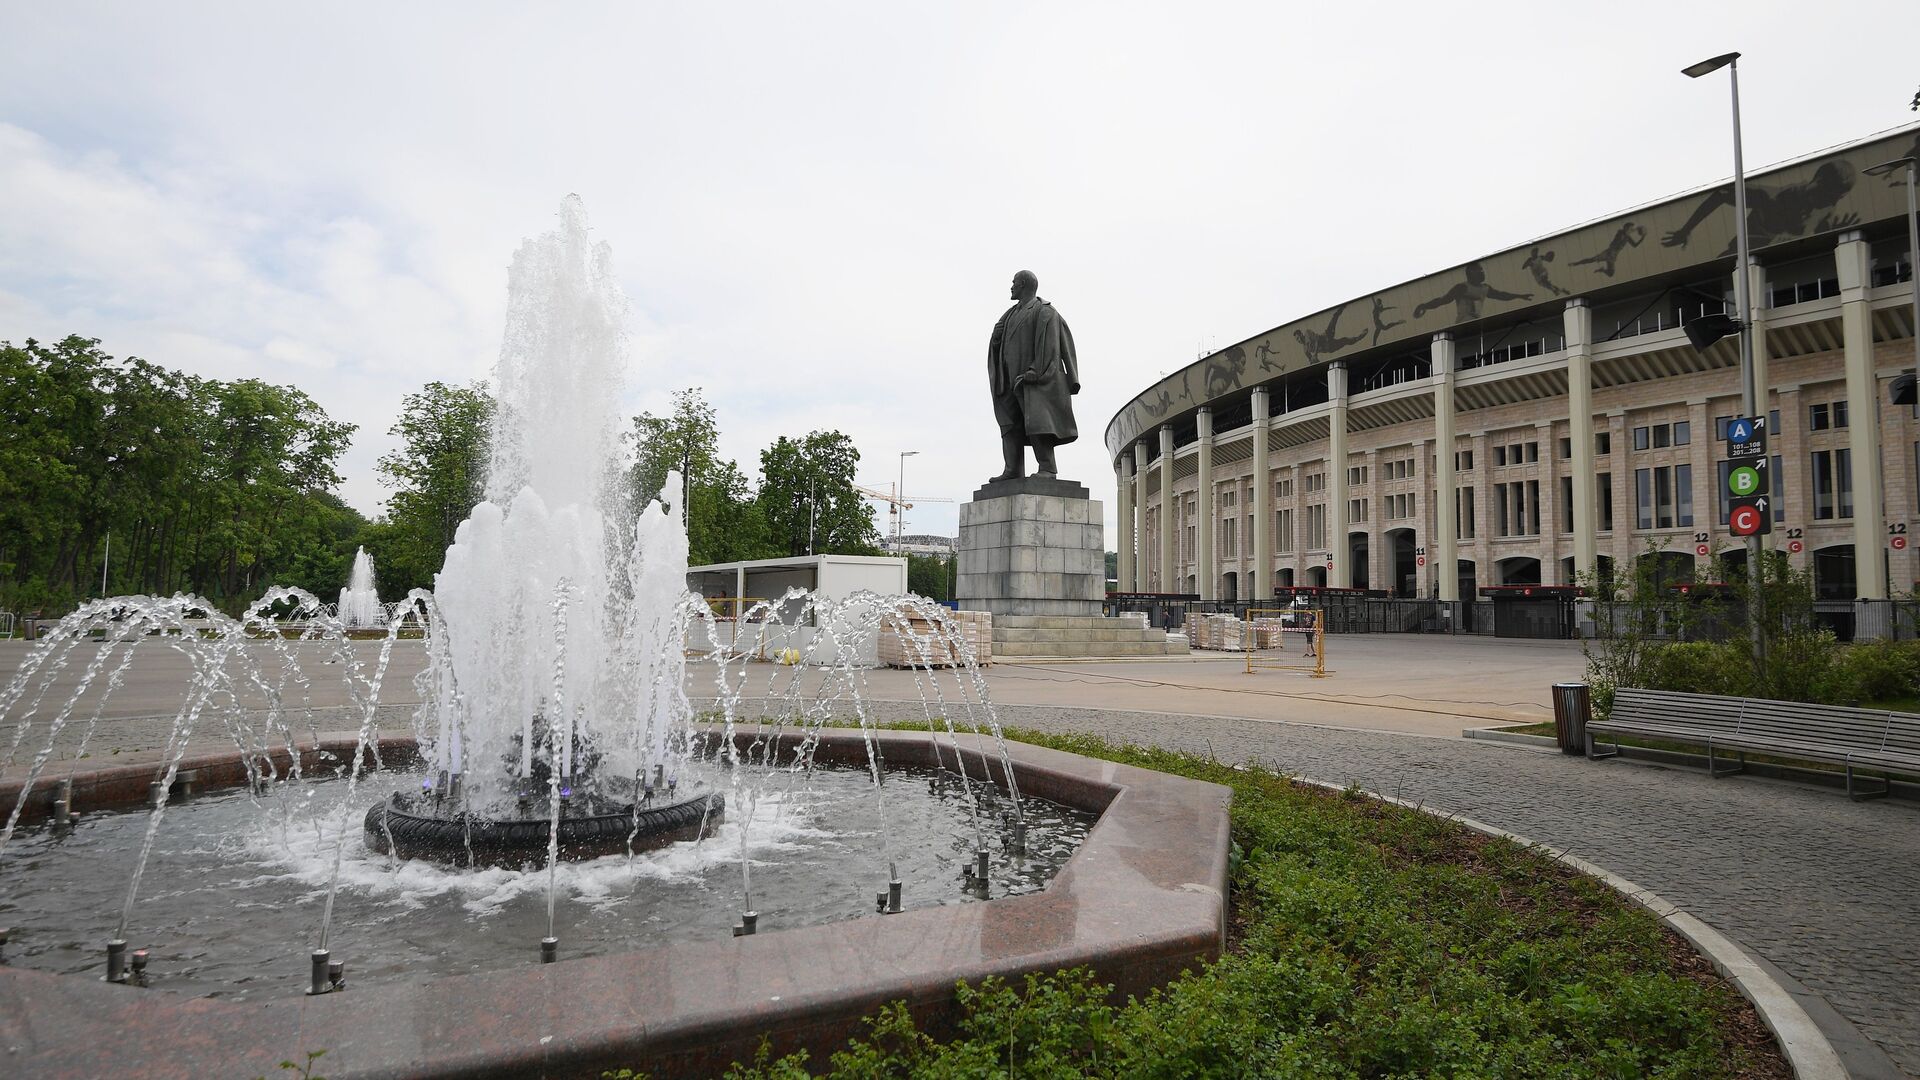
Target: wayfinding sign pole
1749 493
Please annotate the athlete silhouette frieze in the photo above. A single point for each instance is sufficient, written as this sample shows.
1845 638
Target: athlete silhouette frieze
1628 235
1467 297
1779 212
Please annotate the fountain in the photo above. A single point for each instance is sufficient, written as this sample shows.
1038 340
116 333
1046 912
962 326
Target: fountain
576 708
360 600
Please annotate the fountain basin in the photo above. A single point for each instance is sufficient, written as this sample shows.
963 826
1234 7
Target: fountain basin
403 822
1142 900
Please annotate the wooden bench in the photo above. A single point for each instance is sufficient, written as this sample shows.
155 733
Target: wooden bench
1850 738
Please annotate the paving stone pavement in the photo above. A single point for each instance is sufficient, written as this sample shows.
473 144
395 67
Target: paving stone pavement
1825 888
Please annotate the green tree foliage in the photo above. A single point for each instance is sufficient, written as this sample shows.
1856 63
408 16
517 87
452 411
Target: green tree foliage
438 474
218 488
724 522
806 488
930 576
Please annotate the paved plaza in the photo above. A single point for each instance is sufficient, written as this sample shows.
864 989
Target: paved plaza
1826 889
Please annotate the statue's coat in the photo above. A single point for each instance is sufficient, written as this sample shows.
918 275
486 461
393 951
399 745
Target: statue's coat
1032 337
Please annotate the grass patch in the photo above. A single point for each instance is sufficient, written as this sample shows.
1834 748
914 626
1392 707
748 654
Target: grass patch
1366 940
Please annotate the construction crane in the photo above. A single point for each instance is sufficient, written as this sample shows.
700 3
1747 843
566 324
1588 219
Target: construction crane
896 504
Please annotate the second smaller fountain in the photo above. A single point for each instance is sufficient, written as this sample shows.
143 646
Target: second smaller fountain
360 600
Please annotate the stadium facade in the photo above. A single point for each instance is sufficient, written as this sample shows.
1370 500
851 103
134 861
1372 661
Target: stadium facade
1549 396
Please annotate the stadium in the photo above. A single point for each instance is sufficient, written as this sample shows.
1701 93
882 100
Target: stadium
1538 417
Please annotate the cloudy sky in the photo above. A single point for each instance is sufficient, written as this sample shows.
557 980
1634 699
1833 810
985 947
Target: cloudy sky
816 207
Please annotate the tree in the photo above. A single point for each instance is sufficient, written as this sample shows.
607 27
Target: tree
724 522
163 480
687 442
930 576
806 490
438 474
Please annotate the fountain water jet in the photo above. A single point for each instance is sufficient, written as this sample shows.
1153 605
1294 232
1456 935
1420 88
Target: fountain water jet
360 600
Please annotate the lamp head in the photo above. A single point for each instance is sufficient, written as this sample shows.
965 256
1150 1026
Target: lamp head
1886 167
1707 329
1707 67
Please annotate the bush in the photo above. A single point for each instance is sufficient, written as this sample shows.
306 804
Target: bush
1871 671
1699 667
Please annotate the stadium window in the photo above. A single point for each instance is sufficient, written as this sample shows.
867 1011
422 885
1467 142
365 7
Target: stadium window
1643 498
1642 438
1817 417
1603 494
1682 432
1603 443
1839 414
1832 484
1662 436
1566 448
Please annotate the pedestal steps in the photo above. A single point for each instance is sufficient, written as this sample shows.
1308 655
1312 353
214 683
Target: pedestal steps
1075 635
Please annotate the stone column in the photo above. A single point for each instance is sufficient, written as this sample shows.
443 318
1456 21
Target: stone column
1262 576
1167 537
1341 576
1443 551
1203 556
1863 417
1579 333
1123 521
1142 559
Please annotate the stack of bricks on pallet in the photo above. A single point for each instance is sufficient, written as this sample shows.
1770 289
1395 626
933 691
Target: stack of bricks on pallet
1229 632
917 642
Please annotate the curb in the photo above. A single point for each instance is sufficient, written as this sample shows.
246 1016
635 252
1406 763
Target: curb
1806 1047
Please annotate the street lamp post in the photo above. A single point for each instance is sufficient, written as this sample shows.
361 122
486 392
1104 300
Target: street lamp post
1749 392
1913 237
899 494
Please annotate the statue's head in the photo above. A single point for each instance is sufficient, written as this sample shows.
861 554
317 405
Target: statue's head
1026 285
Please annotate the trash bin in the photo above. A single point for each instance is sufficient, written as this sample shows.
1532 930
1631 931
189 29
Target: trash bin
1572 708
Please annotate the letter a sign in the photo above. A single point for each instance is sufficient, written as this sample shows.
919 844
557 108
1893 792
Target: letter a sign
1747 437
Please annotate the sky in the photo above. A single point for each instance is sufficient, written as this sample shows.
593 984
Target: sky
815 209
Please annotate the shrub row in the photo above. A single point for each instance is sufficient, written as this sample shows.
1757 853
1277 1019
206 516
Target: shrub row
1805 666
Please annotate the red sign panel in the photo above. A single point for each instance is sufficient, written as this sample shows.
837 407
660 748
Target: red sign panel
1746 521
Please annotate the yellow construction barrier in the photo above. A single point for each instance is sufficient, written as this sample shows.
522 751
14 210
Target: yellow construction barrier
1266 633
732 610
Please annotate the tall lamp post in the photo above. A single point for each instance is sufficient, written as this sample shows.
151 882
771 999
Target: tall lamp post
1913 266
900 493
1749 392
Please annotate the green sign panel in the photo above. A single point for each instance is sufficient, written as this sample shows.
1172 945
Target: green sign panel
1748 478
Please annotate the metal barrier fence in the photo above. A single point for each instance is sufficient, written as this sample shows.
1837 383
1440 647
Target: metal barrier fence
1354 615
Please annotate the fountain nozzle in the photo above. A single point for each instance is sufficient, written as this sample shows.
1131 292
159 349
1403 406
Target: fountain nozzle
320 984
337 975
116 961
748 923
63 804
977 873
549 949
138 976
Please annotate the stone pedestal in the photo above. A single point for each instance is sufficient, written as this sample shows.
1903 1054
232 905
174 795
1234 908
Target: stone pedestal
1032 547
